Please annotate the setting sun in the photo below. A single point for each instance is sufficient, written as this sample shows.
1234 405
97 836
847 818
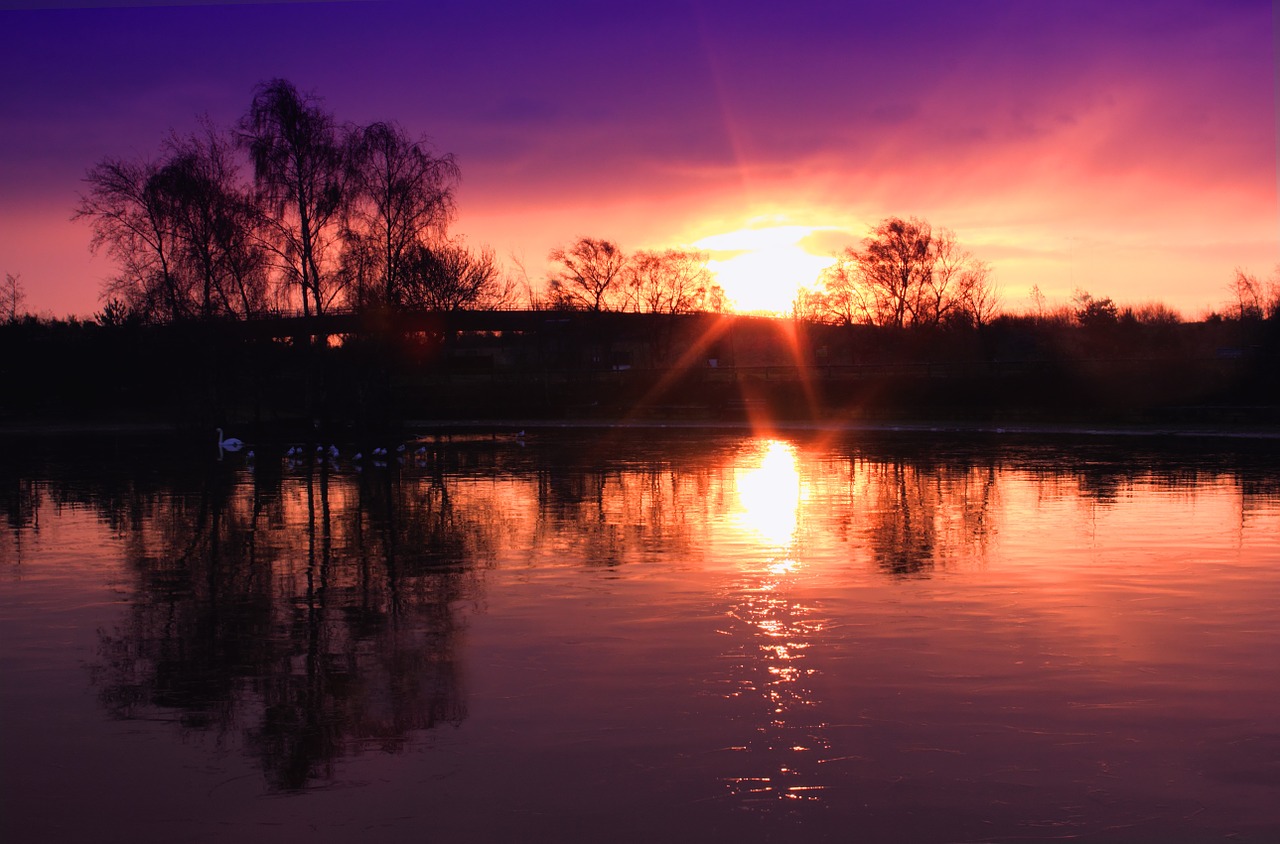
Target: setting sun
761 269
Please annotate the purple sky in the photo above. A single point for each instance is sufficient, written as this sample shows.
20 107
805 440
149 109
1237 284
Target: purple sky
1120 147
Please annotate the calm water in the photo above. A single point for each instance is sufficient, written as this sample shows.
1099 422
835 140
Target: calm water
644 636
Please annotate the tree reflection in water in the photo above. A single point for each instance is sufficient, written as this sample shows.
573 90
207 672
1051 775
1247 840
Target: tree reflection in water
313 615
920 515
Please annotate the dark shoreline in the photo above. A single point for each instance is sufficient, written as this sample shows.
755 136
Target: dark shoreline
508 427
347 378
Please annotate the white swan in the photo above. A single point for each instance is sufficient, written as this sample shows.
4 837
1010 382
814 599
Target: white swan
230 443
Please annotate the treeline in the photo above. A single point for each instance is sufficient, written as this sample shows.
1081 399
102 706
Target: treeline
907 274
391 369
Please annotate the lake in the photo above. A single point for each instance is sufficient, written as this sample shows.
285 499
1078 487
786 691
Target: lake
638 635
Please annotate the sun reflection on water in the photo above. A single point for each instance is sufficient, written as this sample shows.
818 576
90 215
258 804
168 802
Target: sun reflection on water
770 495
772 632
775 681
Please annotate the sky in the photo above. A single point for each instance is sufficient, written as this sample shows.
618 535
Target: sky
1123 148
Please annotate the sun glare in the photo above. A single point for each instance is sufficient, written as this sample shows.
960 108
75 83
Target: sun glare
761 269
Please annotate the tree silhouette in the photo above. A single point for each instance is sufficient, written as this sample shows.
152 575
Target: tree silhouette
214 222
13 297
130 216
301 169
591 276
1249 299
1091 312
895 264
957 288
450 276
182 230
674 281
841 297
334 213
403 200
905 274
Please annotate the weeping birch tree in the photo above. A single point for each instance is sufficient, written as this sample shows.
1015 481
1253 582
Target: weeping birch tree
402 201
301 171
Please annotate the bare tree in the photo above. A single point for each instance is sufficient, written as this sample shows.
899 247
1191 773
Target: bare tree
300 168
980 298
591 276
959 288
13 297
896 268
214 222
843 299
192 241
1037 302
906 274
810 305
181 229
1248 296
956 282
523 287
405 198
131 217
450 277
674 281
